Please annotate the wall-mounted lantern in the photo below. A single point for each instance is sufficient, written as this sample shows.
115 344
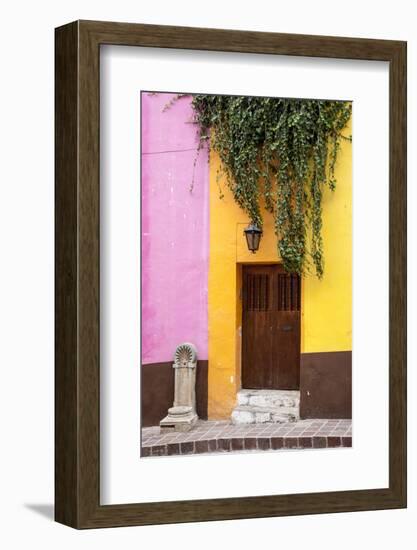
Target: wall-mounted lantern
253 236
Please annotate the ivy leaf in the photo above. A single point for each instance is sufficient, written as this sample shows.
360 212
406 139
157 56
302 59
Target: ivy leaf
283 151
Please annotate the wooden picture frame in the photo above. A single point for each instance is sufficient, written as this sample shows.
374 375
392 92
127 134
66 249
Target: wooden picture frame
77 359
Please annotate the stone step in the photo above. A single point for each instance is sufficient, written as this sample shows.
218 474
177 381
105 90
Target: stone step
261 415
269 398
263 406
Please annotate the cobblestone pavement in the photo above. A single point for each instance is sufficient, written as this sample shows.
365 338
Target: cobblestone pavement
222 436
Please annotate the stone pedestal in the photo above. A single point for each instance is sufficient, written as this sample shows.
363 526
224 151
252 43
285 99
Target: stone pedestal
182 415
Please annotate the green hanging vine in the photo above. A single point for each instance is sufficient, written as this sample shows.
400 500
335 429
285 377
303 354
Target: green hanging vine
281 150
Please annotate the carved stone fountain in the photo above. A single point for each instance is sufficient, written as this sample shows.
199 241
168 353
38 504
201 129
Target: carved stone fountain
182 415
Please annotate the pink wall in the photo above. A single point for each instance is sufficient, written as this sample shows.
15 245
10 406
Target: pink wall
174 231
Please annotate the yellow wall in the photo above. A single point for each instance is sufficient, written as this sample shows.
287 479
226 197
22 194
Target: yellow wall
326 312
327 304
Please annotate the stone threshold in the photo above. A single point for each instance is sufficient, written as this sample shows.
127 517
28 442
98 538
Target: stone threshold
223 437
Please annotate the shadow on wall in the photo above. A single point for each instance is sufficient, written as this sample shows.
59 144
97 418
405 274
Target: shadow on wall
45 510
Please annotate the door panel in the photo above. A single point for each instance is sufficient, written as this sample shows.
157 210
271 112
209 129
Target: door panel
270 328
286 351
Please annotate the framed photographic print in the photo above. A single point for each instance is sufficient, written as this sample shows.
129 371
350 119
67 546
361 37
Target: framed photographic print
230 274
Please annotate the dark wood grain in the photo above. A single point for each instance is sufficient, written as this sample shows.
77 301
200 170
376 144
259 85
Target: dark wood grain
77 274
66 236
398 273
270 328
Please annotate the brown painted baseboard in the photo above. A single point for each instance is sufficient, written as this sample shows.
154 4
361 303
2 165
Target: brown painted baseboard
326 385
157 383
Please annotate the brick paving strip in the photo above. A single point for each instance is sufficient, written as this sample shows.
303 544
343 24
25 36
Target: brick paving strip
222 436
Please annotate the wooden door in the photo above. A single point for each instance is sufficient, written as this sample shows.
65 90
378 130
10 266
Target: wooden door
270 328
